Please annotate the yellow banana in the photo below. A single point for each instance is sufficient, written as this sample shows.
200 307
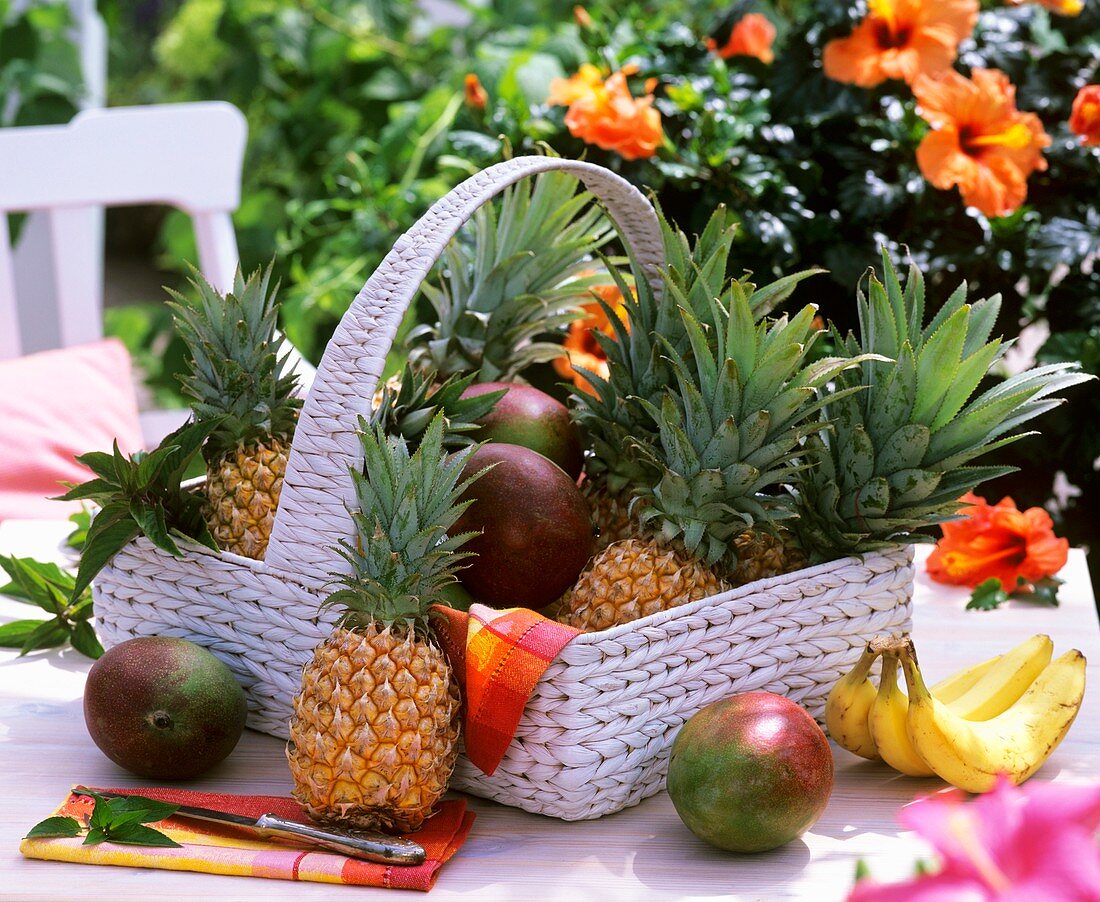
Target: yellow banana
886 723
970 754
977 693
1004 682
847 706
950 688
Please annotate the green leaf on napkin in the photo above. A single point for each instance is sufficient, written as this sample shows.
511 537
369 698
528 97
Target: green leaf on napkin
54 826
121 820
135 835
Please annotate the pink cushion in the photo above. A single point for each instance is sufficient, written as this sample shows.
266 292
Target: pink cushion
54 406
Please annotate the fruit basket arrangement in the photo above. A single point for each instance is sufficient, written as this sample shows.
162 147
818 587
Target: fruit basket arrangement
753 499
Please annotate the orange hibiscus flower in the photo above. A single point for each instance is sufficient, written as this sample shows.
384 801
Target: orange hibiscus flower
997 541
606 114
981 142
581 346
565 91
1084 120
901 39
1062 7
753 35
475 94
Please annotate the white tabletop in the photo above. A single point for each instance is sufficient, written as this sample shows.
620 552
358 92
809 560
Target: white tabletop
641 853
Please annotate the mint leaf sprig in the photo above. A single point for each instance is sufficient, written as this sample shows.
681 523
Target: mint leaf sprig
141 495
82 521
50 588
989 595
120 820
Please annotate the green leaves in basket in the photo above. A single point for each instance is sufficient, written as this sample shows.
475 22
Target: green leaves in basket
120 820
82 521
50 588
141 495
989 595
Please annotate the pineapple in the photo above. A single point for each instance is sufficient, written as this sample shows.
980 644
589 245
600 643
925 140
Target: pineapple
374 733
728 428
900 450
239 378
519 278
693 276
761 555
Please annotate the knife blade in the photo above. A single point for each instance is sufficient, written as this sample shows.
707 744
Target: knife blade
376 847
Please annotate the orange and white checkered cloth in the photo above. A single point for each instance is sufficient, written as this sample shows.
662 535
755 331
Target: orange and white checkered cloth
215 849
498 657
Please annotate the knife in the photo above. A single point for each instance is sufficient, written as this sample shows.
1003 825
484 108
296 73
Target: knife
367 846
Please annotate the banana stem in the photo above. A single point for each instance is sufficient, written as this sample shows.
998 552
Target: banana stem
863 666
914 681
888 681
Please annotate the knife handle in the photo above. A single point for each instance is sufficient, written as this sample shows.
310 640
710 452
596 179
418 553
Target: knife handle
368 846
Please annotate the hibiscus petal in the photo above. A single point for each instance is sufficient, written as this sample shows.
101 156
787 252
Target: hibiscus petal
1063 865
942 161
934 888
1058 803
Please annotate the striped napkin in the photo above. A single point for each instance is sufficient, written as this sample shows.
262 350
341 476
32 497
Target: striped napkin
498 657
214 849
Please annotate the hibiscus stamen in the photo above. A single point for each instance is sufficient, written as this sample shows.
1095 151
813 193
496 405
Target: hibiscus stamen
1016 137
884 10
962 827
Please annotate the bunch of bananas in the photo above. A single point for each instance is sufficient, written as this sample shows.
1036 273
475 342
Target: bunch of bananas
1002 716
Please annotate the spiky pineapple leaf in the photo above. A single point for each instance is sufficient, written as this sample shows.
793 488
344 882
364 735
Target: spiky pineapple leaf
407 503
239 374
510 283
902 449
406 409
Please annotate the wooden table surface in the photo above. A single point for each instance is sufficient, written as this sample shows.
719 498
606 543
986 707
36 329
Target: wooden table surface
640 853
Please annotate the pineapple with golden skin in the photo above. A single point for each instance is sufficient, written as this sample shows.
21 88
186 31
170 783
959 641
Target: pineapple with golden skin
238 376
762 555
726 431
693 276
375 726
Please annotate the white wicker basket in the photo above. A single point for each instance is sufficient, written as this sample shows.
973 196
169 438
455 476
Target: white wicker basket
595 735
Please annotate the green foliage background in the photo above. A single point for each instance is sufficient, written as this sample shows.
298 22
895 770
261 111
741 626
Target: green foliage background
357 124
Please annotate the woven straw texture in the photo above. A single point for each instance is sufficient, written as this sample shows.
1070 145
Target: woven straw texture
595 735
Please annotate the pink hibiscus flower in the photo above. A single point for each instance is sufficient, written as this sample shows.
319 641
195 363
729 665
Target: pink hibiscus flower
1029 844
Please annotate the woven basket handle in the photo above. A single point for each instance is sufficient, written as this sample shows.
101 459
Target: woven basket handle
317 492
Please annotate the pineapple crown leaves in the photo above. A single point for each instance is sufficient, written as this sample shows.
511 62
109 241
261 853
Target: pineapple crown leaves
902 452
141 495
238 369
693 276
514 282
731 425
408 408
404 553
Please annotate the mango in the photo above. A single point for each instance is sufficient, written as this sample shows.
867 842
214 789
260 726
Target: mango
534 529
750 773
163 708
531 418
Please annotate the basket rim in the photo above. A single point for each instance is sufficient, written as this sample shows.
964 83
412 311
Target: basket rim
902 551
660 617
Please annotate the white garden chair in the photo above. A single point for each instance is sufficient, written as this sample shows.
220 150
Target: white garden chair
184 155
